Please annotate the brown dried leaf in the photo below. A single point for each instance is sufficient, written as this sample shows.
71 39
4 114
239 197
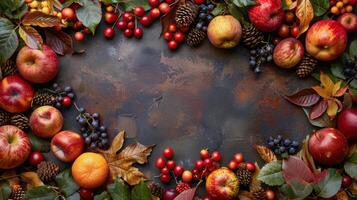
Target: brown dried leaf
342 195
31 37
265 153
245 195
169 18
305 13
32 179
305 155
59 41
255 182
41 19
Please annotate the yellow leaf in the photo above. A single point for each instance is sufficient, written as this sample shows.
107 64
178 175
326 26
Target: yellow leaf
322 92
336 87
332 108
326 82
305 13
290 4
32 179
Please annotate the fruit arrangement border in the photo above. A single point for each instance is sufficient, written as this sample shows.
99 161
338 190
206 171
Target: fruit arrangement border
37 158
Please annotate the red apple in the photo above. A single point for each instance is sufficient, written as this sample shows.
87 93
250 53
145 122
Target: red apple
347 123
349 22
46 121
267 15
37 66
224 31
15 147
328 146
67 145
222 184
326 40
15 94
288 53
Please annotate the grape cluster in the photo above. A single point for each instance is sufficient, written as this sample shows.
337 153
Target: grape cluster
204 16
260 56
94 133
64 96
350 69
282 146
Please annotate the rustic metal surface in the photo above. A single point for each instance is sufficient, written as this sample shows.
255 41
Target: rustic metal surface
188 99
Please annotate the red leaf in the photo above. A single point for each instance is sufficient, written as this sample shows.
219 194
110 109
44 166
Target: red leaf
187 194
41 19
169 18
305 98
296 169
60 42
318 109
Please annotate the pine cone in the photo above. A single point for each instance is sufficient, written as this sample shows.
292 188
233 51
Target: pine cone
17 192
258 194
180 187
252 37
186 14
4 118
306 66
47 170
9 68
244 177
20 120
43 99
195 37
156 189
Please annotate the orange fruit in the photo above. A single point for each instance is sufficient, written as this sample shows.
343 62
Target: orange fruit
90 170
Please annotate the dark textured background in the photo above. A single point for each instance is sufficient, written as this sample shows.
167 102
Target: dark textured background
187 99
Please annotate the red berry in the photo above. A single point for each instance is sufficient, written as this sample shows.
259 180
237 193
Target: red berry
169 1
172 28
131 25
138 32
168 152
77 25
110 17
196 174
35 158
269 194
172 45
238 158
155 13
164 178
204 154
276 40
179 37
295 31
165 170
164 8
160 162
208 162
146 20
87 31
206 198
68 13
233 165
167 36
128 33
199 164
250 166
79 36
187 176
169 194
178 170
346 181
108 32
121 24
66 101
139 11
127 16
216 156
86 194
198 2
154 3
170 164
284 31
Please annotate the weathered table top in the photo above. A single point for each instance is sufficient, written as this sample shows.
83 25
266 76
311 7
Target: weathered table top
188 99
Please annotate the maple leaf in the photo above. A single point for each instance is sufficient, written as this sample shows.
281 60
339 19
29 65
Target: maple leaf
121 162
330 91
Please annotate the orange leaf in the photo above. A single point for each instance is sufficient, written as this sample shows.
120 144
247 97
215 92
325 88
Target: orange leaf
322 92
305 13
332 108
41 19
341 91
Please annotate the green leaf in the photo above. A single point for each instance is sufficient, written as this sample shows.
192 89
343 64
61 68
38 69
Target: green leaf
74 196
119 190
40 193
66 183
5 190
39 144
219 9
323 121
140 192
320 7
13 9
8 39
301 190
337 69
89 14
351 166
329 185
353 84
238 13
353 49
271 174
243 3
130 4
102 196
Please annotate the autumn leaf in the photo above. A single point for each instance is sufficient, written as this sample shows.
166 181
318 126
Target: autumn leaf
41 19
60 42
169 18
304 98
31 37
187 194
121 161
265 153
305 155
318 109
32 179
290 4
255 183
296 169
305 13
11 177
